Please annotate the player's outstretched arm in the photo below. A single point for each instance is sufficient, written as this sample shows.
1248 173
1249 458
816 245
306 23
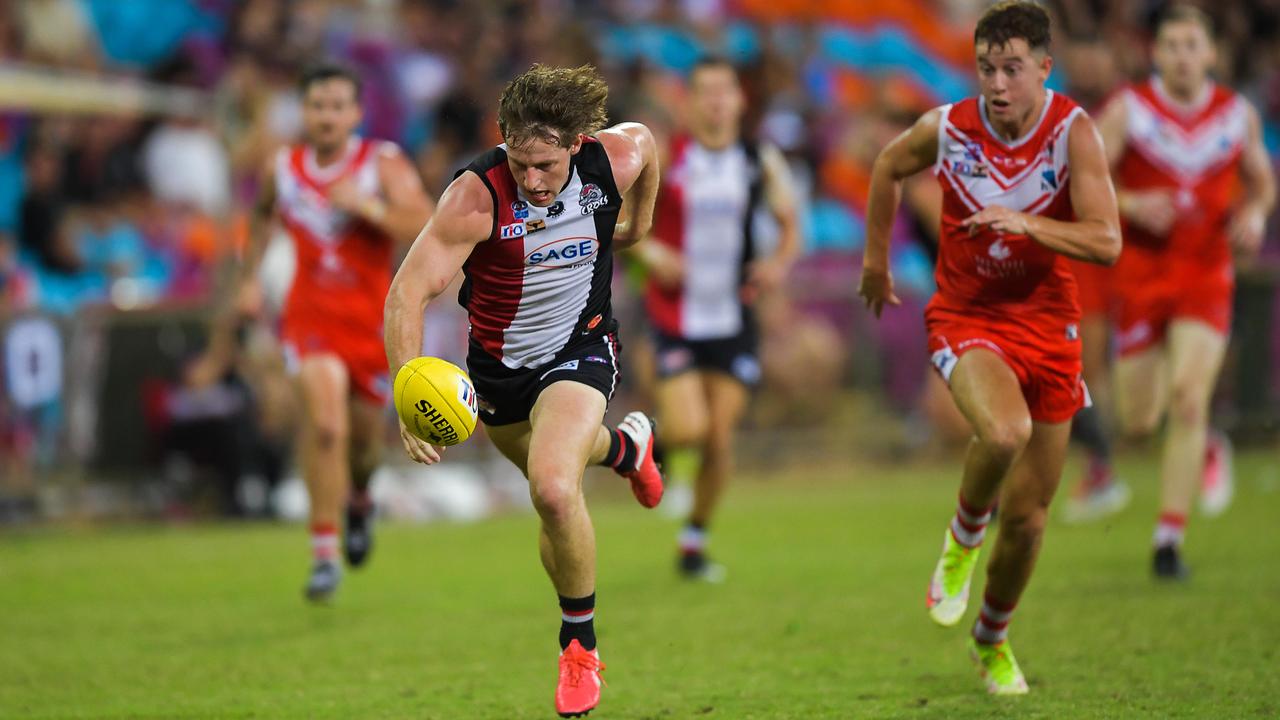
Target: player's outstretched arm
1153 209
1094 236
1250 219
248 292
633 155
909 153
463 220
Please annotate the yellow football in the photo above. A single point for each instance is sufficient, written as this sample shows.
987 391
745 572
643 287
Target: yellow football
436 400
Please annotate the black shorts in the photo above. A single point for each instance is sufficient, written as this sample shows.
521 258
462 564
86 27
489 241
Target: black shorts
736 356
505 396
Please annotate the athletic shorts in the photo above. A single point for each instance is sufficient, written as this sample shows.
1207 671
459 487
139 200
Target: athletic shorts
363 355
736 356
1094 285
1050 377
505 395
1147 301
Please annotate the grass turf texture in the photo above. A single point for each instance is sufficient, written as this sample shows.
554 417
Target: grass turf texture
823 615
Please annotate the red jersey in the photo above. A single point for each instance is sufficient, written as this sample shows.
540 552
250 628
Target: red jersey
1009 277
1193 150
343 263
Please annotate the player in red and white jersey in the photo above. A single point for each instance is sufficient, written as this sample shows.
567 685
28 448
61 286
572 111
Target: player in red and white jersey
347 202
1194 182
704 274
533 224
1025 186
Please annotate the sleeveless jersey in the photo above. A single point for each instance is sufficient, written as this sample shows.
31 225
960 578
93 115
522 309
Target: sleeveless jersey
343 263
541 282
1193 151
705 206
993 273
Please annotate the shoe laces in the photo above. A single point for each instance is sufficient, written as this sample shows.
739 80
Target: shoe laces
576 662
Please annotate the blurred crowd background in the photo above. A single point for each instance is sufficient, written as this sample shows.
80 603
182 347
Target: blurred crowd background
131 134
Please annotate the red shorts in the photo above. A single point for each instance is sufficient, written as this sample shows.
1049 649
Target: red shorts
1145 306
362 354
1094 284
1051 380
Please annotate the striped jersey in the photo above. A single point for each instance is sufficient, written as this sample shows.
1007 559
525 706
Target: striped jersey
541 282
704 211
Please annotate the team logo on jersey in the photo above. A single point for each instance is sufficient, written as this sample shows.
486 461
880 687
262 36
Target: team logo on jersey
533 226
520 209
591 198
970 169
556 209
998 250
562 253
1048 180
512 231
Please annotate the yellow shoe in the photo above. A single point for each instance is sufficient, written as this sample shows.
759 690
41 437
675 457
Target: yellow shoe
998 668
949 588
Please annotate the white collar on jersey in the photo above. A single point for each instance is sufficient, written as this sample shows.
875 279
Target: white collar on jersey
982 111
1186 108
333 169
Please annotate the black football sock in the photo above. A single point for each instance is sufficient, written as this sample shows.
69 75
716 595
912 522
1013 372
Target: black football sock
622 452
577 621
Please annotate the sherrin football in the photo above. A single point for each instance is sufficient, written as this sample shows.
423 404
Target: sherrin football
435 400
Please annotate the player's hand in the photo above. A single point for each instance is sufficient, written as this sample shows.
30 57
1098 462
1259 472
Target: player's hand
999 219
248 299
345 196
765 276
876 289
1155 211
419 450
1246 231
665 265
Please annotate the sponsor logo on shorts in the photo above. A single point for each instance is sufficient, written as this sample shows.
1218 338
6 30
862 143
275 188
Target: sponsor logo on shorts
591 198
944 360
595 322
675 360
746 368
596 359
570 365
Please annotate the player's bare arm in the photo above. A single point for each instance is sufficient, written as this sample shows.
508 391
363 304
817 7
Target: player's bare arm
403 207
248 292
1259 181
768 273
633 155
463 219
909 153
1152 210
1094 236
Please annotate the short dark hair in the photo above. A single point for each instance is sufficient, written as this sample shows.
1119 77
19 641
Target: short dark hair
1011 19
707 62
553 104
1183 12
321 72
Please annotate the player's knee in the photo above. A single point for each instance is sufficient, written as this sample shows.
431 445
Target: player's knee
1007 438
1138 426
555 496
1023 527
1187 404
686 432
329 433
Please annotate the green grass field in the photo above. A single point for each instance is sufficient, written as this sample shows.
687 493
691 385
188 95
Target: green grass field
822 617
